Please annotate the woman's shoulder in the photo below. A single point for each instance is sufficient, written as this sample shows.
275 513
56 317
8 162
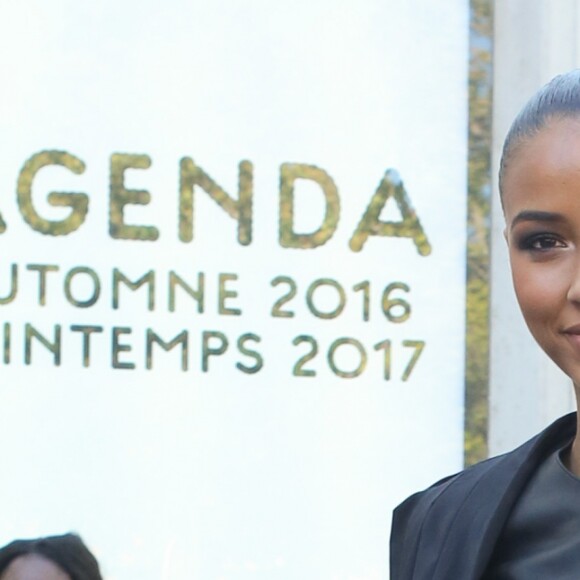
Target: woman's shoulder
450 490
470 504
454 487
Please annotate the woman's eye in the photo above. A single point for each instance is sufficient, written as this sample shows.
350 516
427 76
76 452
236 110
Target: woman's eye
542 242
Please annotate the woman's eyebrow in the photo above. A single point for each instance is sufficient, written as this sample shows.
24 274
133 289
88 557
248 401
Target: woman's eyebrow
536 216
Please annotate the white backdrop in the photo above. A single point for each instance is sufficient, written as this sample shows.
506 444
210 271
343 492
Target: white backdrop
279 469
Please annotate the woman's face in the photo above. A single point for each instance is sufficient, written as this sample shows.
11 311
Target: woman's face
33 567
541 196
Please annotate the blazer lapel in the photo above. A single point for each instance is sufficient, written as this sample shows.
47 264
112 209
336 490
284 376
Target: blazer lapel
462 526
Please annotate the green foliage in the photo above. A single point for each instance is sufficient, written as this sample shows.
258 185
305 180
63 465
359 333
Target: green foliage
479 176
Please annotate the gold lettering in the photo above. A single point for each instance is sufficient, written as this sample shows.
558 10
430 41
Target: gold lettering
86 332
289 173
148 278
78 202
391 186
42 270
207 350
240 209
120 197
224 294
13 286
118 348
197 295
181 338
53 347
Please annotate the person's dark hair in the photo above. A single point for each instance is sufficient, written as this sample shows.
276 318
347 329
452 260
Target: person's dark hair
67 551
558 99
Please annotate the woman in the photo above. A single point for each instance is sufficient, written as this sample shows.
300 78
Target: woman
53 558
517 516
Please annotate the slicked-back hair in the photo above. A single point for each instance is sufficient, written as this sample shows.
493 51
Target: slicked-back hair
559 99
68 552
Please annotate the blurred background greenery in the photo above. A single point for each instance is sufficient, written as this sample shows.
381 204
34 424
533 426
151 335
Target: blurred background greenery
479 183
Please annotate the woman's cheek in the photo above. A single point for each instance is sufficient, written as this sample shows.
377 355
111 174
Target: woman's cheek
538 290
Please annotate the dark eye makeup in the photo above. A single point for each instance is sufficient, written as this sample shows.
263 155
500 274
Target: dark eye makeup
540 242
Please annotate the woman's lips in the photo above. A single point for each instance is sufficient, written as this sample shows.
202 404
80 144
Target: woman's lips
572 333
572 330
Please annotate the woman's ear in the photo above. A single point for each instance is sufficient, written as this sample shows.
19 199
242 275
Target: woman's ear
505 237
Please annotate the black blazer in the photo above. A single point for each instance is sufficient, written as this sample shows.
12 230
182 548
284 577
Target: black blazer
448 531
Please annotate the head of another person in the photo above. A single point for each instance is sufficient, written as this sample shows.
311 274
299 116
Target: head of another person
540 189
52 558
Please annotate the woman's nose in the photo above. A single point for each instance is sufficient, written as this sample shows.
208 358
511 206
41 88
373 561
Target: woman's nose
573 294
